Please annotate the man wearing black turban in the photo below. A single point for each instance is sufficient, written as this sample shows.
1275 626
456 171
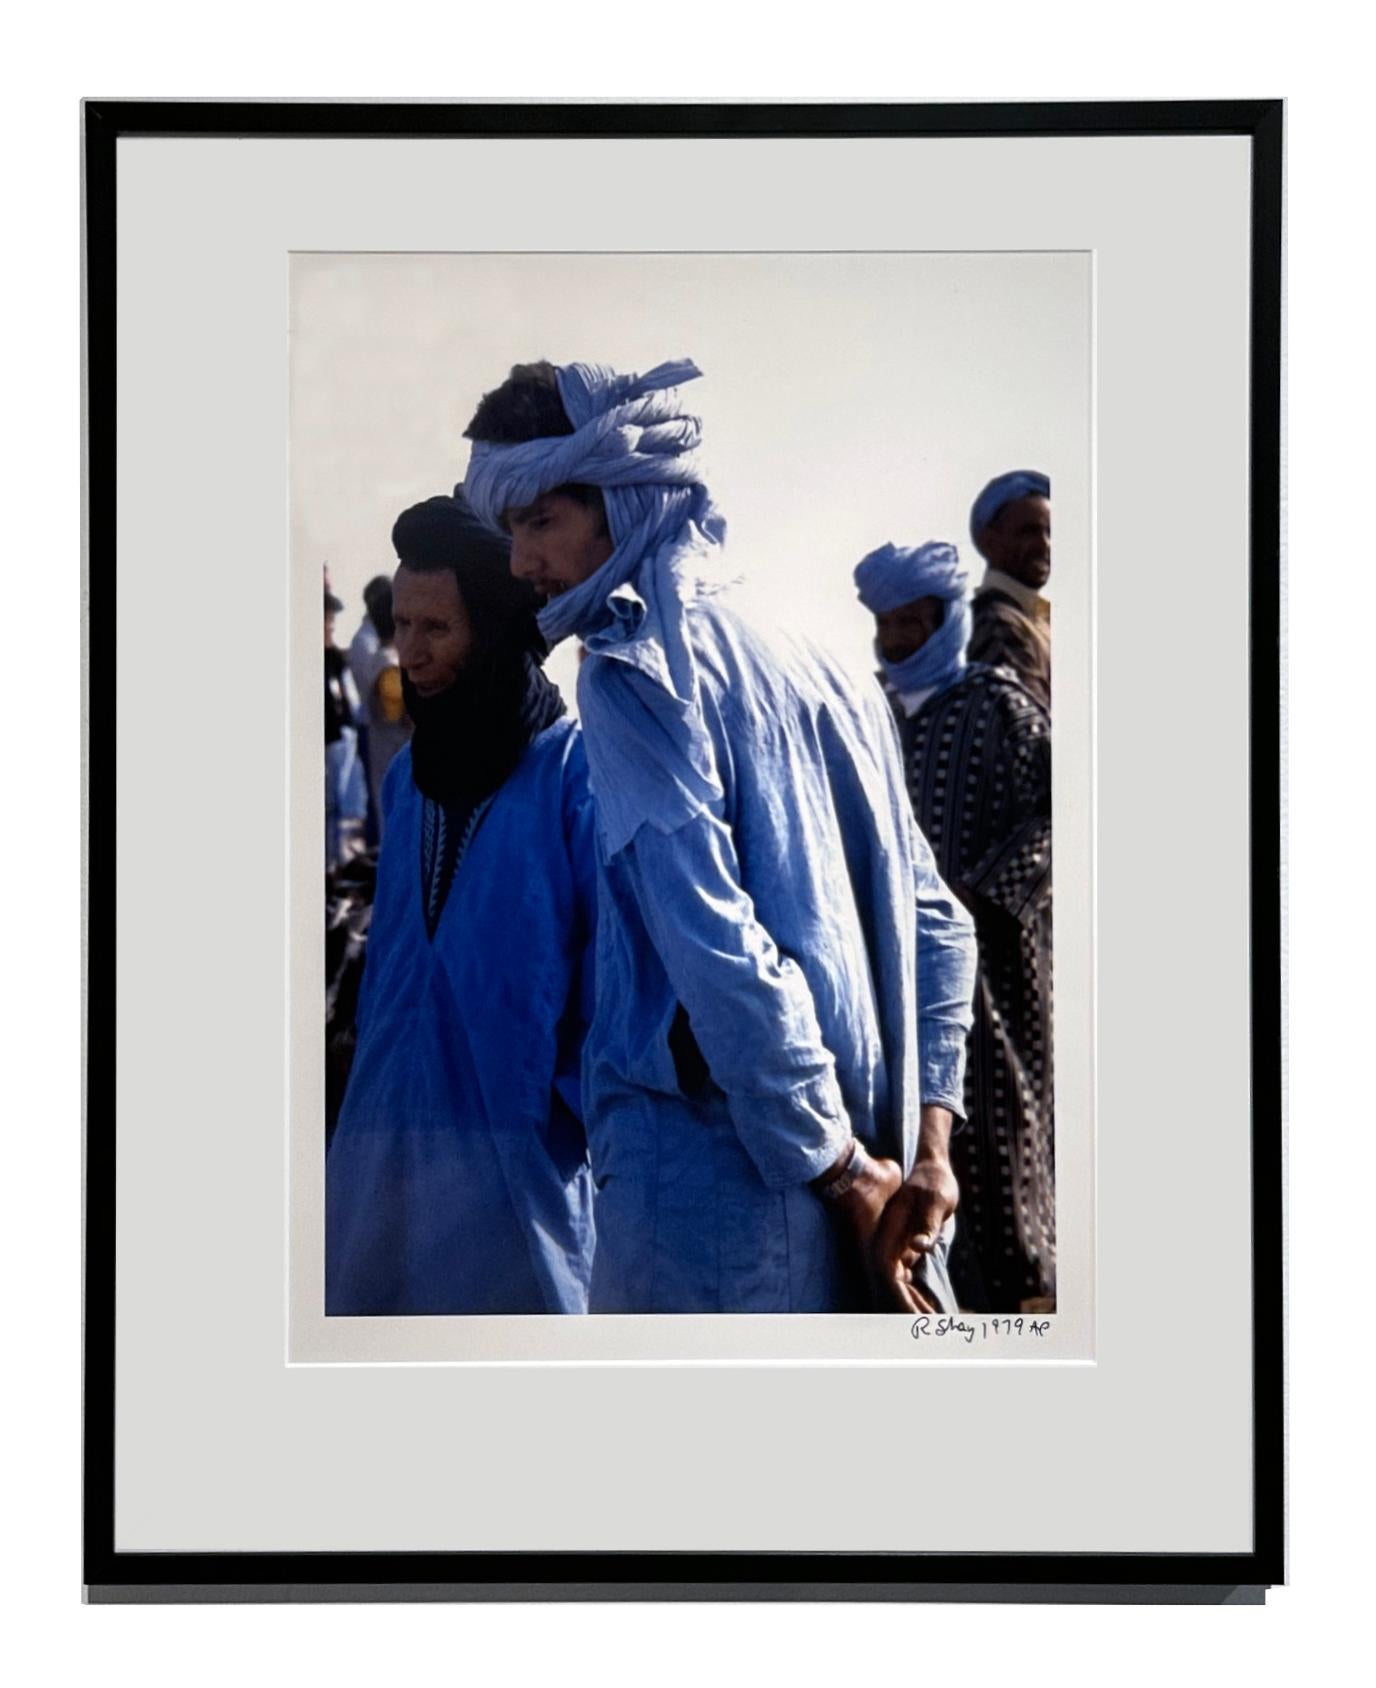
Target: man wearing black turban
457 1179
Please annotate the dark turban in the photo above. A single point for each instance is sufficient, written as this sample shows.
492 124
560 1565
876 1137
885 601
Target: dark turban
443 533
467 740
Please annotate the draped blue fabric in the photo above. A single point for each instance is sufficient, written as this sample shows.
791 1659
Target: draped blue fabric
894 575
458 1177
825 972
1005 489
778 962
632 439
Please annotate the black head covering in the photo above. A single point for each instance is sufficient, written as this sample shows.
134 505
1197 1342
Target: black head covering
377 600
469 738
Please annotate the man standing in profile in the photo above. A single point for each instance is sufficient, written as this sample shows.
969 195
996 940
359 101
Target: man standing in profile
977 752
1011 527
783 982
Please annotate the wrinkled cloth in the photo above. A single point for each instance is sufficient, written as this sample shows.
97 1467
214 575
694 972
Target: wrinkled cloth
768 913
781 968
1005 489
1006 635
458 1180
633 440
978 759
895 575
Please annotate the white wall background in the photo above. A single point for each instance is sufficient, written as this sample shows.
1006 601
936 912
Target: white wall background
847 399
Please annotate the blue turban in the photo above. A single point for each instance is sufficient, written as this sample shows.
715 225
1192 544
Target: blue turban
632 439
893 576
1005 489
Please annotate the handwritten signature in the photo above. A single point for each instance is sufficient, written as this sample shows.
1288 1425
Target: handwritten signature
968 1329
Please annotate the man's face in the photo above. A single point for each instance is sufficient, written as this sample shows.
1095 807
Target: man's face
901 633
557 542
1018 540
434 634
329 628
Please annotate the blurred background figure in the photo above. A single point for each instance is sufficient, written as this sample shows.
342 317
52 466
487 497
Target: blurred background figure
346 792
1011 527
349 890
384 726
977 756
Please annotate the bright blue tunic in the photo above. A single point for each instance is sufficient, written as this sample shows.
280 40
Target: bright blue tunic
458 1178
823 968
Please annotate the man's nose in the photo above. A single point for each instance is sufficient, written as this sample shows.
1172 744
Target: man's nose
523 558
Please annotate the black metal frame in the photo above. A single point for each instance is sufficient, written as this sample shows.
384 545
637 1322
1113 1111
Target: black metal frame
114 1576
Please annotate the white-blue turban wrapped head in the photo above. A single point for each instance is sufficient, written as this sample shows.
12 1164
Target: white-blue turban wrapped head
632 439
895 575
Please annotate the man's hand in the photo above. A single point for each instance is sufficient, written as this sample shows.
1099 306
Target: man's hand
914 1217
859 1210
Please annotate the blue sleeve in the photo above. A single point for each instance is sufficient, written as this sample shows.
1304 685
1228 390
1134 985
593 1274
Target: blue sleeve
946 960
749 1006
581 844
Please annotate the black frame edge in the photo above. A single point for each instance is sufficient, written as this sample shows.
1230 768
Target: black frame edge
1264 781
784 120
99 1124
1103 1594
111 1576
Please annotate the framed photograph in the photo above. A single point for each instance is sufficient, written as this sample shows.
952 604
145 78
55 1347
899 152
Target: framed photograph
602 1127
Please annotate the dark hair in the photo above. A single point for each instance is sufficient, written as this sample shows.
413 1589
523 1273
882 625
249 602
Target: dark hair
525 407
377 600
443 533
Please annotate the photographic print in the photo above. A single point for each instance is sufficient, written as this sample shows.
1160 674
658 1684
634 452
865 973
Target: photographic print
688 776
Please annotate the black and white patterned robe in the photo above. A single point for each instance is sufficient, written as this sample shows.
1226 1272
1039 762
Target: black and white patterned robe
978 762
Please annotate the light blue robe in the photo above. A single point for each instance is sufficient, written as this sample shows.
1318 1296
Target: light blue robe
458 1178
769 917
825 970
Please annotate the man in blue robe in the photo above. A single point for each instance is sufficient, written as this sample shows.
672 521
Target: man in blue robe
457 1180
783 982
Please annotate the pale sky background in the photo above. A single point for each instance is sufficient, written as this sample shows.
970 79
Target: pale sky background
847 399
